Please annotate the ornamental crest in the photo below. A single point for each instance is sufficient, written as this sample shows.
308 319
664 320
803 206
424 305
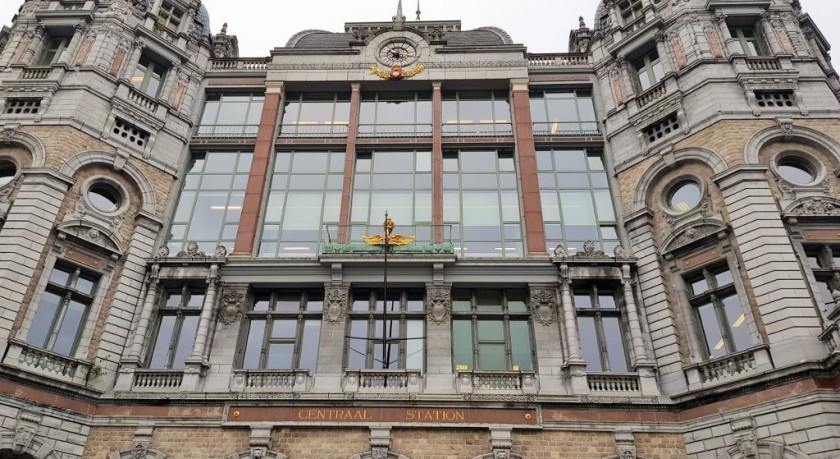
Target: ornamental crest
335 304
438 305
231 305
543 306
397 73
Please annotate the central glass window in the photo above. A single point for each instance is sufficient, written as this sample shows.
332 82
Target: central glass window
316 115
721 318
148 76
481 202
52 52
176 328
576 201
476 113
749 40
557 113
231 115
395 114
600 328
210 204
491 330
305 195
386 334
397 182
649 70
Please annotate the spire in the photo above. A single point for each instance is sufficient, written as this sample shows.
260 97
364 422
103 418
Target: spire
399 9
399 19
418 10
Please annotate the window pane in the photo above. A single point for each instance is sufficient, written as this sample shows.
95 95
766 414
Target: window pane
589 343
488 301
69 328
737 322
491 356
309 345
357 349
284 329
462 349
60 276
280 355
185 341
520 345
577 208
616 352
254 345
414 347
40 330
162 342
711 331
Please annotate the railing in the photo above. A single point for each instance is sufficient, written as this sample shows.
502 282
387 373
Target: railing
419 239
142 100
652 94
395 130
613 382
556 59
763 64
157 379
497 381
253 63
47 361
727 367
480 129
36 73
382 380
271 380
563 129
313 130
226 131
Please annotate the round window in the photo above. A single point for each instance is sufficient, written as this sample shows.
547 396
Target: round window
8 172
796 171
684 196
104 196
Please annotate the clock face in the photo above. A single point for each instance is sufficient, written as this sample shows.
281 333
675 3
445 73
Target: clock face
400 53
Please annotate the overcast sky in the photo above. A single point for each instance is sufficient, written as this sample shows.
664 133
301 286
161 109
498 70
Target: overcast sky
541 25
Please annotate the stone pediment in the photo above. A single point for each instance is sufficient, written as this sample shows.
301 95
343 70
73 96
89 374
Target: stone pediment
691 233
92 234
815 206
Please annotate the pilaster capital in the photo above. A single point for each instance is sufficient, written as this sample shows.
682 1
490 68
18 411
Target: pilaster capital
275 87
519 85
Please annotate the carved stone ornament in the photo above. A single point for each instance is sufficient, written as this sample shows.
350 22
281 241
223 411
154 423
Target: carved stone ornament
621 253
501 454
162 252
231 304
590 252
23 437
221 252
747 445
335 304
627 452
191 251
543 306
439 304
140 450
6 192
816 207
560 251
142 6
380 452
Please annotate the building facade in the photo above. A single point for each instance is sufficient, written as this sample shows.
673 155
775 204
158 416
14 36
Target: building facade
624 251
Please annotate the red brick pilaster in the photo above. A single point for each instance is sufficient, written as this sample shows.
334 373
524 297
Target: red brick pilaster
349 161
437 162
527 160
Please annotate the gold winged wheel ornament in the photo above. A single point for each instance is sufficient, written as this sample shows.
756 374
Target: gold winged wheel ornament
395 239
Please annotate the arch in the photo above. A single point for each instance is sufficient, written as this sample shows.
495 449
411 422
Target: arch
813 206
500 32
765 450
27 141
370 455
11 454
247 454
23 444
789 132
73 164
689 232
94 233
493 456
670 160
139 452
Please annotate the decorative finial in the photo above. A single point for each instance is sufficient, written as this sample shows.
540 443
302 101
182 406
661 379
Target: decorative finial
399 9
399 19
582 23
224 29
418 10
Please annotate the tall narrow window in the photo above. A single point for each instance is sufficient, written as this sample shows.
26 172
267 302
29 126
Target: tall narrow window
52 52
63 309
210 204
559 113
386 334
721 318
397 182
316 115
600 329
824 262
148 77
304 203
576 200
284 330
491 330
177 325
395 114
749 40
231 115
649 70
481 202
476 113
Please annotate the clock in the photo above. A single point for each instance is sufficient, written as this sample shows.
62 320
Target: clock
399 53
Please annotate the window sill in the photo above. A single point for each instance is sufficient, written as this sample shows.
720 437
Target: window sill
729 368
497 381
270 381
45 363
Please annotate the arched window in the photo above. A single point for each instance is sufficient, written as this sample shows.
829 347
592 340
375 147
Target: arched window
11 454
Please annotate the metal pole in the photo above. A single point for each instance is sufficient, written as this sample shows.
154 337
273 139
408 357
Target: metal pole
385 292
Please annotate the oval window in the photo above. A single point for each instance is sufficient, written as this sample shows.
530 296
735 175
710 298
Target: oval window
684 196
796 171
104 197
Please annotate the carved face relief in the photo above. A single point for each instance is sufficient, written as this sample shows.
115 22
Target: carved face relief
23 437
140 450
747 446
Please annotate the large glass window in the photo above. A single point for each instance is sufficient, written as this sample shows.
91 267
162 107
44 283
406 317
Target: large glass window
824 262
481 202
720 317
395 114
491 330
148 76
386 334
210 204
557 113
476 113
63 309
576 201
316 115
397 182
231 115
284 329
177 325
600 329
52 52
749 40
649 70
305 195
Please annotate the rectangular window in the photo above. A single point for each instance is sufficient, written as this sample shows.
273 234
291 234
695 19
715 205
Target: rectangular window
397 182
386 334
649 70
63 309
231 115
491 330
148 77
316 115
177 325
577 204
600 328
630 9
304 203
169 17
52 52
284 330
481 202
824 262
476 113
721 320
396 114
748 40
559 113
210 204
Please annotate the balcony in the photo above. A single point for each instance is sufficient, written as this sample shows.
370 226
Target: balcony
615 384
729 368
42 362
270 381
763 64
556 60
406 239
395 130
398 381
496 382
566 129
157 380
653 94
224 132
247 63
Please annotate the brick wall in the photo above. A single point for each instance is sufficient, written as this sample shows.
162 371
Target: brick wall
440 444
320 443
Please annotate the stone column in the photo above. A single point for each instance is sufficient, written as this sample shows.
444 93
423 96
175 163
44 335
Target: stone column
791 319
134 59
169 82
770 34
527 167
23 239
664 54
574 362
34 46
437 163
136 349
641 363
349 161
731 46
206 315
10 49
333 330
439 375
543 306
249 222
627 79
67 55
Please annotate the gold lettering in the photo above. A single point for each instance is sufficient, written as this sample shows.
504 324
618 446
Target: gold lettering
409 415
459 415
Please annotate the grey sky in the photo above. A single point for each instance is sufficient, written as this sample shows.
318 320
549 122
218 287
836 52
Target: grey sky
541 25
